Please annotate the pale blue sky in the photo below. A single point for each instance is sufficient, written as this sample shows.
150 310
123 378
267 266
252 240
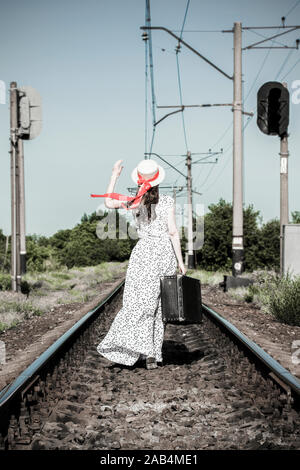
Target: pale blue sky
86 58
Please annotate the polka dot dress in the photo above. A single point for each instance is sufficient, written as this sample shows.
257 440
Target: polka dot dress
138 328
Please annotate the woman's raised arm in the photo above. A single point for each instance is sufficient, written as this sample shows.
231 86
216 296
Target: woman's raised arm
109 202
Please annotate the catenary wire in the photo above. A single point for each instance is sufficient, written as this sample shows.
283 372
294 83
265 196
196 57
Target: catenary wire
293 8
291 69
284 64
148 22
179 77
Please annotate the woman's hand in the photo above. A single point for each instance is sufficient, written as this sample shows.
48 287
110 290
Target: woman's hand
182 268
117 168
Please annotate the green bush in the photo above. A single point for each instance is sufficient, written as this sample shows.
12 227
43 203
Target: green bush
279 296
284 302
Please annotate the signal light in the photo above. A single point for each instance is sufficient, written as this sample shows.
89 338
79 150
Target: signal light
30 113
273 109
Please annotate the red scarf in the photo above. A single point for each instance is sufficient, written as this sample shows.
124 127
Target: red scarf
145 186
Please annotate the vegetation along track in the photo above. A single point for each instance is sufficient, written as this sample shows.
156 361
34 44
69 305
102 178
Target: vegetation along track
215 390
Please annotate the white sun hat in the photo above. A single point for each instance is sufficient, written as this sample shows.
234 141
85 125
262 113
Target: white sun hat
147 169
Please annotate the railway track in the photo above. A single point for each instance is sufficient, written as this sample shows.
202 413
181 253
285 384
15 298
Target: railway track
216 390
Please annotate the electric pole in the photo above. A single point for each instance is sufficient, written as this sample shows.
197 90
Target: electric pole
191 258
237 223
22 207
15 191
284 194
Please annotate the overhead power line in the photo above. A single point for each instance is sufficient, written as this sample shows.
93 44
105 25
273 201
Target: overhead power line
291 69
284 64
293 8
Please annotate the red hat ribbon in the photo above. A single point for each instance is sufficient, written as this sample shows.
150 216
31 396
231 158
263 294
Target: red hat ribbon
145 186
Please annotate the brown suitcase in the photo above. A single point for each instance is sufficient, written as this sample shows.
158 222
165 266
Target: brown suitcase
181 299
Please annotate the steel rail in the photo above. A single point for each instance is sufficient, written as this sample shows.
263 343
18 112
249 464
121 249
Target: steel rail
20 383
26 378
282 373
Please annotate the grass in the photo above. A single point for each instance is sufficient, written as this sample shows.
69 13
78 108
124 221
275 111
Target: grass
53 287
240 293
78 297
211 278
6 326
61 275
90 275
26 308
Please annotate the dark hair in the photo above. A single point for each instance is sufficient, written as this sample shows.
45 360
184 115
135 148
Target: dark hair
148 199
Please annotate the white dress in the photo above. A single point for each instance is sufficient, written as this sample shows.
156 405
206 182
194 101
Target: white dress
138 328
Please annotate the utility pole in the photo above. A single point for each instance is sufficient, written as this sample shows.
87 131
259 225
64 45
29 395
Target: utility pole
15 191
191 258
22 207
284 194
237 228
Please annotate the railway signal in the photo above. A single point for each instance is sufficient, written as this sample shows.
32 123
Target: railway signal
30 113
25 124
273 119
273 109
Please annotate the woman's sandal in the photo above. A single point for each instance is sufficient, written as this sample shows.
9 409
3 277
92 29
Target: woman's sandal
151 363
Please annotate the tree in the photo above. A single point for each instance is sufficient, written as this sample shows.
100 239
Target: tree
296 217
269 245
36 255
81 246
216 252
60 238
251 238
261 245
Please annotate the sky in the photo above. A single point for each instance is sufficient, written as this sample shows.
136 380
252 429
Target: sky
87 61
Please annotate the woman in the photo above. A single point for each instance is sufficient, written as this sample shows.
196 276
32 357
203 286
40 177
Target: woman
138 330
